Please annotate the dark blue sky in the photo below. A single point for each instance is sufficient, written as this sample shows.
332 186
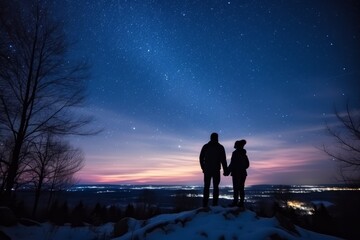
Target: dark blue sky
165 74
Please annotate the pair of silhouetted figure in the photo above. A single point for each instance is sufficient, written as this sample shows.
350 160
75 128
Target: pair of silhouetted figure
212 156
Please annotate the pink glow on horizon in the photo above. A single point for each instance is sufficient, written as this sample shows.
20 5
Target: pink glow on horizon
271 162
166 169
130 156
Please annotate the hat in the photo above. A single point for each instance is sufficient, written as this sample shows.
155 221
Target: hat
240 144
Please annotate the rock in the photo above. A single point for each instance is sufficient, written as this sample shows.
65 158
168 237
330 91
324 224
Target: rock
121 227
124 225
8 217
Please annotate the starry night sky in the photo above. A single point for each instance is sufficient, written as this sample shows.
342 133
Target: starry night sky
166 74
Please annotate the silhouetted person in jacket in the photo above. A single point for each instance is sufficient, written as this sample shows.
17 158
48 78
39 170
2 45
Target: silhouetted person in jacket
238 165
212 156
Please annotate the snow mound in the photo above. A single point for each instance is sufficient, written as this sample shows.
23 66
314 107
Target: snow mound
216 223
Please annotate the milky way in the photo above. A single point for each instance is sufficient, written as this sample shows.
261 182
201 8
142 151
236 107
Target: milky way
165 74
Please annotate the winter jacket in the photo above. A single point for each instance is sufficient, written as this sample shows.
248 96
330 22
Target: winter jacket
239 163
212 156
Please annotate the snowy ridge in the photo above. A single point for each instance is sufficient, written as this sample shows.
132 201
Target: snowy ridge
214 223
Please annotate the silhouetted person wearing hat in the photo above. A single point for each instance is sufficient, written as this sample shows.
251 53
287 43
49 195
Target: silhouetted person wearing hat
238 165
212 156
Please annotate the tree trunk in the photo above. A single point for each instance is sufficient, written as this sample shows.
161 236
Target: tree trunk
13 167
37 196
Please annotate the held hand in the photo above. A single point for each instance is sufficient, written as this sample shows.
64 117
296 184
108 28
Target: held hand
226 173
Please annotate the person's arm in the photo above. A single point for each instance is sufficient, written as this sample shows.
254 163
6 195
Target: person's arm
247 162
223 161
231 165
202 158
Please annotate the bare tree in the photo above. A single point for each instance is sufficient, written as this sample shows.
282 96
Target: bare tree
52 163
346 150
68 162
41 154
6 146
40 85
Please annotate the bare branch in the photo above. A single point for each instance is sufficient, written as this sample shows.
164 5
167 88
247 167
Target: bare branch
347 149
40 87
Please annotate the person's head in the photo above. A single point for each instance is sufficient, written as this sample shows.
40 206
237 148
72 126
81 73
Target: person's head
240 144
214 137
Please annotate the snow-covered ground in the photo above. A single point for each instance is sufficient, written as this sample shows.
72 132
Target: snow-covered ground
47 231
203 223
